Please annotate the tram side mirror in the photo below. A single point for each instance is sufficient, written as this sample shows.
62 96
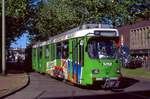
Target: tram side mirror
81 42
125 55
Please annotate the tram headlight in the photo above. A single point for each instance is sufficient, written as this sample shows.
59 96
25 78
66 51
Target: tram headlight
95 71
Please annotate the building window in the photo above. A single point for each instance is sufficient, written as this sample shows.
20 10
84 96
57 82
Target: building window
147 27
148 34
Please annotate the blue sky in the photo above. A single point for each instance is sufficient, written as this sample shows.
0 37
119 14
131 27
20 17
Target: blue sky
21 42
35 2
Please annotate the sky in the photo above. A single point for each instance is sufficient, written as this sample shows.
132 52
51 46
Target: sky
35 2
21 42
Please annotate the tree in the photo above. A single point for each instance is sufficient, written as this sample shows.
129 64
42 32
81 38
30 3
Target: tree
61 15
1 8
55 18
15 15
15 11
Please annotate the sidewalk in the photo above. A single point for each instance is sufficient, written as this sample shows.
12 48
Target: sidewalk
12 82
138 73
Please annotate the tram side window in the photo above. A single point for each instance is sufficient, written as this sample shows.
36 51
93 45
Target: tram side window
34 53
55 51
58 54
65 50
40 52
76 50
52 52
47 52
73 55
81 53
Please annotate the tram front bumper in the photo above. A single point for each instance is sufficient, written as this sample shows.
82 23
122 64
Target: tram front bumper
103 79
108 82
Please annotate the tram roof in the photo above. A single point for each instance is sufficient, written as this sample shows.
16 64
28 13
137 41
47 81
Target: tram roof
85 30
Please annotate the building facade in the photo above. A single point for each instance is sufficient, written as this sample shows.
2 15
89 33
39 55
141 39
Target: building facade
16 55
137 37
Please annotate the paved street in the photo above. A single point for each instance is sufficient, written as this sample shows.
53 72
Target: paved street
12 82
45 87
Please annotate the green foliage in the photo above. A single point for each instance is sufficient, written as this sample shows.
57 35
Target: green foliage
138 72
13 31
61 15
15 13
56 18
15 8
1 8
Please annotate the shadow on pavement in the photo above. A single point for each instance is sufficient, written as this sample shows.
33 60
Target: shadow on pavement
20 66
15 68
124 83
131 95
127 82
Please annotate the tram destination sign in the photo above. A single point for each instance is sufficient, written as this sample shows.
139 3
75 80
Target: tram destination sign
105 33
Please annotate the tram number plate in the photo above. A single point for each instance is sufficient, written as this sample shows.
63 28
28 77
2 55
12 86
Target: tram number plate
98 78
114 83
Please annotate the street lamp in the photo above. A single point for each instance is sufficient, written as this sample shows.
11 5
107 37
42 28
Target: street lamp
3 38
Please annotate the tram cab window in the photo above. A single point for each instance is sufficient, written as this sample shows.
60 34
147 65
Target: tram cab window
101 48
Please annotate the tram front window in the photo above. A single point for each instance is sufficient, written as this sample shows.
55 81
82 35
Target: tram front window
100 48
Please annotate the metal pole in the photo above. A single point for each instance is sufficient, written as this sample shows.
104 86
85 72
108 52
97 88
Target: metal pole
3 38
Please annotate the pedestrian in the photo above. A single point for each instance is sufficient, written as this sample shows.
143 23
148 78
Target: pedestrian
146 63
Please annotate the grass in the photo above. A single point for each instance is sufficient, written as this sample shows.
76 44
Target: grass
138 72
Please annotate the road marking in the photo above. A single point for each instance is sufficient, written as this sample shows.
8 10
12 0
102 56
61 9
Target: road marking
37 97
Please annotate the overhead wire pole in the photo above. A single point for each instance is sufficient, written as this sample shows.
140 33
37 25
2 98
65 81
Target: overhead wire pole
84 12
3 38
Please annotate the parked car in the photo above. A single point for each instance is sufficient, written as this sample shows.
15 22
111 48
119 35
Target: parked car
135 63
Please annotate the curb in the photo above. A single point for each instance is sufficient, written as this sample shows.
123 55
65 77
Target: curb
18 89
139 78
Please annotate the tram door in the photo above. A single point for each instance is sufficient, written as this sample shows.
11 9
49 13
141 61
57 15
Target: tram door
39 59
77 59
34 56
74 60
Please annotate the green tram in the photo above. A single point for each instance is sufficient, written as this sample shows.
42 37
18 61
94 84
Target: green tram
83 55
